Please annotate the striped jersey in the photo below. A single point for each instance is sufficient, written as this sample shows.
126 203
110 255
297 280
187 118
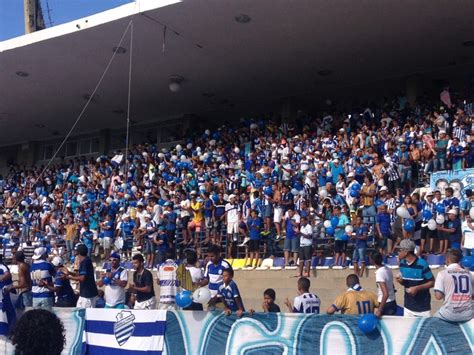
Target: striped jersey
169 283
214 274
307 303
41 270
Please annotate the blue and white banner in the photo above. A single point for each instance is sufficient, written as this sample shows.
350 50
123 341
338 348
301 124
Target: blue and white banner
213 333
459 180
124 331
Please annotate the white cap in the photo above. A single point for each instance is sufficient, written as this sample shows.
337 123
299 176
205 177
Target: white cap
384 188
231 196
39 252
57 260
351 174
453 211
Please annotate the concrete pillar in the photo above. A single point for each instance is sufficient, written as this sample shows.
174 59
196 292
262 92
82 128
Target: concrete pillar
414 87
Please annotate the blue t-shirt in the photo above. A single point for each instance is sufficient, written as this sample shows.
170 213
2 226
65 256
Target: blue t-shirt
88 288
359 233
416 274
87 238
171 221
290 224
229 293
255 225
127 227
383 220
65 292
340 233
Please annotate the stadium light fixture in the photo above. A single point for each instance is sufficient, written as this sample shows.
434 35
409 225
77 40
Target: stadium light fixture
22 74
175 83
243 18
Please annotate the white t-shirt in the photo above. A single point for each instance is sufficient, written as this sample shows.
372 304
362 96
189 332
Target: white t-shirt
306 231
296 217
196 273
456 284
141 217
384 274
115 294
232 213
185 206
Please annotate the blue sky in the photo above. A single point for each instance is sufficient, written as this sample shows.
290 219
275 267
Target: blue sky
11 13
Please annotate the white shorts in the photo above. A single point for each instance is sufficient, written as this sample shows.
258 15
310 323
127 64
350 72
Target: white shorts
232 227
106 242
167 306
277 214
148 304
83 302
408 313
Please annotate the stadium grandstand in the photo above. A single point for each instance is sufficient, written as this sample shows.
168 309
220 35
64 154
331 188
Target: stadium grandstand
326 141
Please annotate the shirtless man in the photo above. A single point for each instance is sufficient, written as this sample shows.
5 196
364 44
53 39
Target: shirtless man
23 285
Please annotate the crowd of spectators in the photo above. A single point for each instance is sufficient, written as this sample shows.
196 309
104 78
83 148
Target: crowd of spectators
269 187
247 188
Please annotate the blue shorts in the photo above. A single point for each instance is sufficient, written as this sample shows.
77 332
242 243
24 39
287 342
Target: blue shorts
292 245
359 255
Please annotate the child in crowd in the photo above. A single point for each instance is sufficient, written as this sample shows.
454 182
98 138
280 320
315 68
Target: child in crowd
229 292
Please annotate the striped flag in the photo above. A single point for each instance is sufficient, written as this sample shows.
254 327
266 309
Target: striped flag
124 331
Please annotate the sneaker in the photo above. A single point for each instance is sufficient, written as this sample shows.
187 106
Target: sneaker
246 240
277 237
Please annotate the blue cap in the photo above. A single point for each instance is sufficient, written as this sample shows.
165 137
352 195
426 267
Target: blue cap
115 255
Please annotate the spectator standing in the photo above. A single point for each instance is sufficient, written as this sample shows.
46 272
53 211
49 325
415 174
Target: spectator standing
360 246
452 228
214 270
415 275
291 244
23 284
6 284
42 273
385 288
455 286
197 277
232 218
86 277
305 302
168 281
340 237
65 296
71 230
255 225
355 300
117 279
306 247
142 284
384 230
